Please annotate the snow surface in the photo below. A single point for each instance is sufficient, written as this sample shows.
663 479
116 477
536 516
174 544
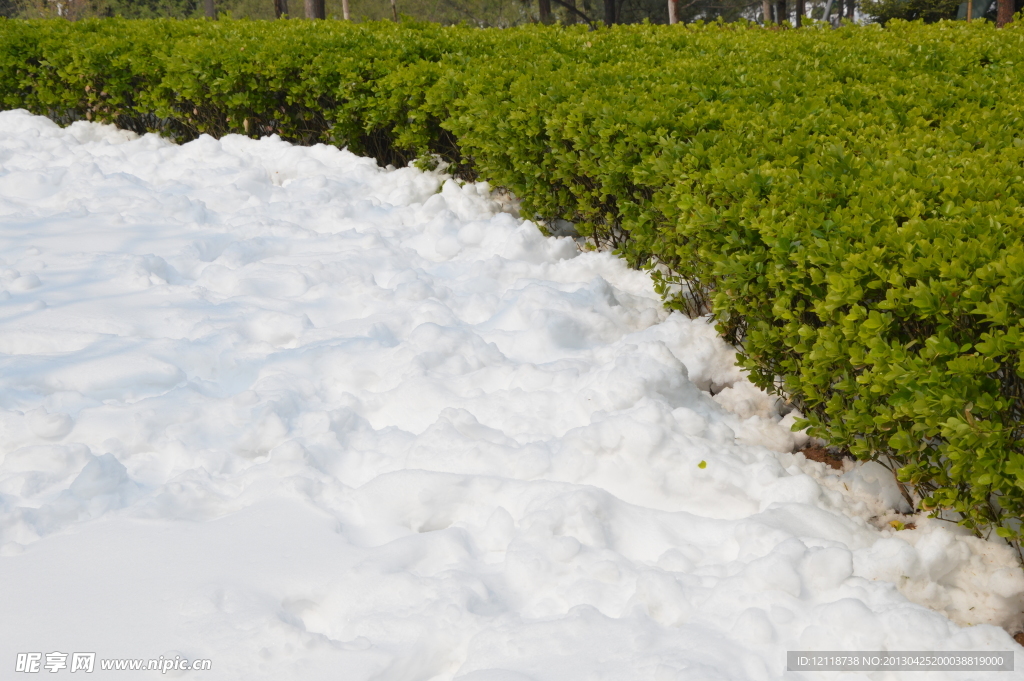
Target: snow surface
313 419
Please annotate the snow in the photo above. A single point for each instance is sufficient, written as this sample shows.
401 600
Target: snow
313 419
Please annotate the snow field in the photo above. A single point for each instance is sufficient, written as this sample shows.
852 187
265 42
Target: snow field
313 419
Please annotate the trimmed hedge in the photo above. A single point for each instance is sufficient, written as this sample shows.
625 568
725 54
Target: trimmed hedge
849 203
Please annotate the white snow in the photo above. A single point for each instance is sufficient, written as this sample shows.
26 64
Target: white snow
312 419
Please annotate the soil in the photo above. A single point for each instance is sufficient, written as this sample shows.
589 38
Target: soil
822 455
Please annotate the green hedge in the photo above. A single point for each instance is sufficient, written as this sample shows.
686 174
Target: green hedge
848 203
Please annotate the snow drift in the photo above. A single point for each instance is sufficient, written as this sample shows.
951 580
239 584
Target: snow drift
310 418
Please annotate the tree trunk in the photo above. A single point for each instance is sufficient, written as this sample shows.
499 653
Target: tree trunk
280 8
801 9
673 17
609 12
851 6
1004 14
394 10
780 11
315 9
344 10
766 9
544 10
211 9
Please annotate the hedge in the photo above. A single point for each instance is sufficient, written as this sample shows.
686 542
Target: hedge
847 204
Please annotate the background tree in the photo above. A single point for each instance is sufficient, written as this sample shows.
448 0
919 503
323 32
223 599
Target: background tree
147 9
930 11
1005 12
483 13
544 11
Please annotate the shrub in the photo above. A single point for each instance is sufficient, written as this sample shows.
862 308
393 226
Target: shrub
847 203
